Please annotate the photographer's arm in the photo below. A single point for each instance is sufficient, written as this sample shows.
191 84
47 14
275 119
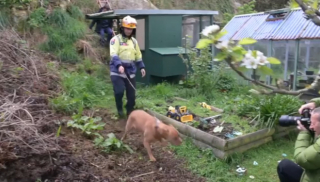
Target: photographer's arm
307 155
316 101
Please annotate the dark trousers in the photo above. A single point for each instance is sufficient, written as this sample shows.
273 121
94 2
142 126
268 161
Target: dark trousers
120 85
109 34
288 171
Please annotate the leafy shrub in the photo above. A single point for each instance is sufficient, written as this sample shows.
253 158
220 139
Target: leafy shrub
112 143
273 107
75 12
38 17
267 109
200 75
87 125
226 81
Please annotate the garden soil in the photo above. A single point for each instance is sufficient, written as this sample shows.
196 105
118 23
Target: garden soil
30 151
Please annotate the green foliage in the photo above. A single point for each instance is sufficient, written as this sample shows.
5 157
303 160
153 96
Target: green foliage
199 72
80 90
86 6
9 3
204 76
4 18
246 8
273 107
234 53
75 12
266 110
111 143
38 17
68 54
63 30
226 82
87 125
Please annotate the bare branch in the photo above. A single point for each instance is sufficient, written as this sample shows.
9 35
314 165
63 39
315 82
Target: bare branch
314 18
273 90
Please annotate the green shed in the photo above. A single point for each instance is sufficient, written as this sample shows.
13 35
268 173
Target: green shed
161 36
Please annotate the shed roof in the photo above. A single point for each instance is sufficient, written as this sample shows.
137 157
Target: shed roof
125 12
293 26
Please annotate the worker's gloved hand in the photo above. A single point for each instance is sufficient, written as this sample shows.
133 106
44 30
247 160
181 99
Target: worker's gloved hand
121 69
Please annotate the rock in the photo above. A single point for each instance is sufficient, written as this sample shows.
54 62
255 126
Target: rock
237 5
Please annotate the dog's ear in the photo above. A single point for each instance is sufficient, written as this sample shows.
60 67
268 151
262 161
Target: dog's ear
163 131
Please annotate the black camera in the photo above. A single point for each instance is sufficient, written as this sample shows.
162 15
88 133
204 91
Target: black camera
286 120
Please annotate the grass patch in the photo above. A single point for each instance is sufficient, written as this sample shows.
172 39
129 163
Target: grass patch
63 30
203 162
82 90
241 107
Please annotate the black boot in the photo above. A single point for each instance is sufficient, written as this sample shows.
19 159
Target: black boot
129 112
121 115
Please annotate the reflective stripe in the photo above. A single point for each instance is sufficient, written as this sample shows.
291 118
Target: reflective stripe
139 60
126 61
122 75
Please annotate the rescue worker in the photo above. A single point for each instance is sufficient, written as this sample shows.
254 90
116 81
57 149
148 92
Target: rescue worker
126 57
103 27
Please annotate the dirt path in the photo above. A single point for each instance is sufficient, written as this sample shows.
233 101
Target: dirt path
81 161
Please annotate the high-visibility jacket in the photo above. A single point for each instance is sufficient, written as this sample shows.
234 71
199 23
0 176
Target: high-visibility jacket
125 52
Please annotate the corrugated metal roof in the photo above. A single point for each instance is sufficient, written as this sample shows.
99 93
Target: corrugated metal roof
233 26
266 29
310 31
255 26
292 27
250 26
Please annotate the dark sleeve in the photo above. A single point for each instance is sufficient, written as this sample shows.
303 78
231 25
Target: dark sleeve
94 21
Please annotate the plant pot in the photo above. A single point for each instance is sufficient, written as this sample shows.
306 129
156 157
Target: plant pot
309 72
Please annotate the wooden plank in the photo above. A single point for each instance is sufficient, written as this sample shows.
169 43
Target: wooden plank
245 139
190 131
217 152
283 133
249 146
280 128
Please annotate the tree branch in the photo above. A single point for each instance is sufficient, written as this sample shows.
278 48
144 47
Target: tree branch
273 90
314 18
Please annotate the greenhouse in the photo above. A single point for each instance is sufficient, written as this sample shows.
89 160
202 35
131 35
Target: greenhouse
286 35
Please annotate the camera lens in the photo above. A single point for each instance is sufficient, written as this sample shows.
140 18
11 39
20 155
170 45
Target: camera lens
286 120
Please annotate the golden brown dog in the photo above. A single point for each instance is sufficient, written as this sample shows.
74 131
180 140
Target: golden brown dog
153 130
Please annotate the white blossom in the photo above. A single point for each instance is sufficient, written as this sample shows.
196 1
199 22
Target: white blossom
262 60
223 44
210 29
249 61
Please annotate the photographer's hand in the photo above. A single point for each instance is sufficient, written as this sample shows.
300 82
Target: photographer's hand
310 105
301 127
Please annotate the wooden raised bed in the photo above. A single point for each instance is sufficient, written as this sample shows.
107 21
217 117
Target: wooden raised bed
223 148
